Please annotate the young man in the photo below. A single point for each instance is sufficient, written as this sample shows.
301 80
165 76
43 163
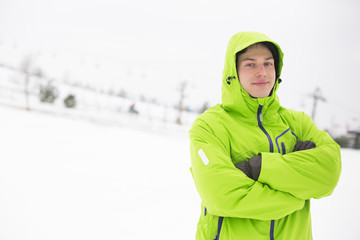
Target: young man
255 164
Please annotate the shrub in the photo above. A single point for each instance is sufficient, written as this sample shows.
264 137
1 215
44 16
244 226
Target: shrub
70 101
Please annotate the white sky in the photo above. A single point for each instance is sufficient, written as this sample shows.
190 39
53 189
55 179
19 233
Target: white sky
150 46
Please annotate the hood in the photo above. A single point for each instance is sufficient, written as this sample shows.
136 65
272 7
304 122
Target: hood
234 96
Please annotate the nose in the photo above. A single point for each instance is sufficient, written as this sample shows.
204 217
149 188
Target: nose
261 71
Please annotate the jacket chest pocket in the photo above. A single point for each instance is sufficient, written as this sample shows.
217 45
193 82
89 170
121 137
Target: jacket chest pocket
285 142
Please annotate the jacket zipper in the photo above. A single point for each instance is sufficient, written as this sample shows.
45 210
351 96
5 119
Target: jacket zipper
283 148
220 221
272 230
260 119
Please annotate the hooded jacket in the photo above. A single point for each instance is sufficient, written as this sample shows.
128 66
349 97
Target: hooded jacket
277 205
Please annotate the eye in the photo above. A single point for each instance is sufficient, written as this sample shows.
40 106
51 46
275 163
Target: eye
250 65
268 64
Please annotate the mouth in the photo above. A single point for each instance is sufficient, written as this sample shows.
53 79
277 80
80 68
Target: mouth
260 83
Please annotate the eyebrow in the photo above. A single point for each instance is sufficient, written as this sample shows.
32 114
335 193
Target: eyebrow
252 59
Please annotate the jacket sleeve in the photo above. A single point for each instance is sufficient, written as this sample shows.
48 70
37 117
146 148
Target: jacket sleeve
306 174
225 190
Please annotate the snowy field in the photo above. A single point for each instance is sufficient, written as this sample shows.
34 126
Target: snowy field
63 178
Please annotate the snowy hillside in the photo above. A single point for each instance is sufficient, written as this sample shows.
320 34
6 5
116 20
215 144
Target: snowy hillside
70 179
63 178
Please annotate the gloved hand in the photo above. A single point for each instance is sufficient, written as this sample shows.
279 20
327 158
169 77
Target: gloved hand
300 145
251 168
245 168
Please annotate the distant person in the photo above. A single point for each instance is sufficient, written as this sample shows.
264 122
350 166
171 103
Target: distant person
132 109
256 164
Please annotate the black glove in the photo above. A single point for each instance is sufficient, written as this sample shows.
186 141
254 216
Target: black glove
300 145
251 168
245 168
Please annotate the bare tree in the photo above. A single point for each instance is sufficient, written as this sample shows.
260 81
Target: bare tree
25 67
204 107
48 92
181 89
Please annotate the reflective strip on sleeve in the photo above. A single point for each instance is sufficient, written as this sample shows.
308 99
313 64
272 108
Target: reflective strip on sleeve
203 157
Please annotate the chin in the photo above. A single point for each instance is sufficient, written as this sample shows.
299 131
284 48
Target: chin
260 95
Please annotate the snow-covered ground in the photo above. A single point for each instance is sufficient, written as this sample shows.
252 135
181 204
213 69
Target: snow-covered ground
67 178
71 179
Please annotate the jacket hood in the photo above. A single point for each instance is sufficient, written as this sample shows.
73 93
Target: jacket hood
234 96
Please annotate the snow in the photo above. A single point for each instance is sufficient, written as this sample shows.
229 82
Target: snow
68 178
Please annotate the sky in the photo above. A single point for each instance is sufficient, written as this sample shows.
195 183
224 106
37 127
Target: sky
150 47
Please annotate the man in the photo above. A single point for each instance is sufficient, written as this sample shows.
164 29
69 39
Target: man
255 164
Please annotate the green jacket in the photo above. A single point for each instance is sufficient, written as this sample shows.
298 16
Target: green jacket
277 206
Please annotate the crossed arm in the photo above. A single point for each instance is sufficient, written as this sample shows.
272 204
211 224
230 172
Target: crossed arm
283 182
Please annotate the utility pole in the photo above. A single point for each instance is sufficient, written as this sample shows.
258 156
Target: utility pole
316 96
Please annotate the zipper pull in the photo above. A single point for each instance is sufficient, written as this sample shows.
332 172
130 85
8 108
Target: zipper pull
261 117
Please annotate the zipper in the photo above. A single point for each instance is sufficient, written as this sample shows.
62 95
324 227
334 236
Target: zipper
260 119
272 230
220 221
283 148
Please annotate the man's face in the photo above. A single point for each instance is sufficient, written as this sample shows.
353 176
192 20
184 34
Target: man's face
256 71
